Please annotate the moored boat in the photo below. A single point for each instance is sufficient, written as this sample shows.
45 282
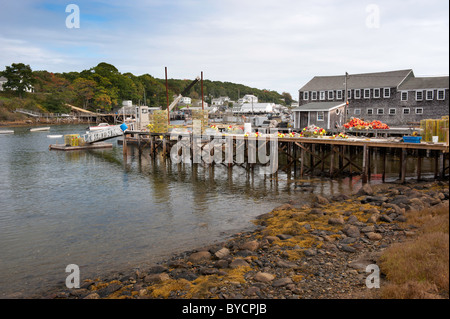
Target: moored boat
6 132
101 126
39 129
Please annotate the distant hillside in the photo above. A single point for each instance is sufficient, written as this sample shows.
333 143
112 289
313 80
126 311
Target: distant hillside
103 87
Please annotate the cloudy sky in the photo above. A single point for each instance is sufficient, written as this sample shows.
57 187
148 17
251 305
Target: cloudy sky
268 44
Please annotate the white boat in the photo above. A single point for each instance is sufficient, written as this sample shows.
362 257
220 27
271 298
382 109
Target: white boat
39 129
54 136
101 126
6 132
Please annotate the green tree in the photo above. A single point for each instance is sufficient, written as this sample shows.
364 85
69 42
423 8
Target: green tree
84 90
19 78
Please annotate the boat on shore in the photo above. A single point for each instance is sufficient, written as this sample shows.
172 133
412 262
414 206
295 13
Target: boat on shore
6 132
101 126
39 129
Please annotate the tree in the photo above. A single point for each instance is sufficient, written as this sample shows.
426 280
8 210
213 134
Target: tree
19 78
287 98
85 90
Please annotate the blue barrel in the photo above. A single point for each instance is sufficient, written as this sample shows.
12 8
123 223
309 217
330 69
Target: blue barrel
123 127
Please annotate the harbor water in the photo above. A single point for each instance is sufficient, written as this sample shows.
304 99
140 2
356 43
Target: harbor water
105 214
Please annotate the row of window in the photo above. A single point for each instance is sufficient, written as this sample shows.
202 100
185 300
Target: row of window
425 95
392 111
339 94
371 93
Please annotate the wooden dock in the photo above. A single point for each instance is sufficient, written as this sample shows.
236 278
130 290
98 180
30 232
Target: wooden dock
312 156
63 147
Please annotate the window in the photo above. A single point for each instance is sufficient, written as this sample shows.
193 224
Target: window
404 96
357 111
376 93
339 95
430 95
380 111
306 95
392 111
357 94
441 95
406 111
322 95
349 94
330 95
419 110
313 95
419 95
386 93
367 93
369 111
320 116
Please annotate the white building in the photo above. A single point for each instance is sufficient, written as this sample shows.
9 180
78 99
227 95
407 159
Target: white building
254 108
185 100
248 98
2 81
220 100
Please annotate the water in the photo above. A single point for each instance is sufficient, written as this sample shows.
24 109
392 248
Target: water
104 214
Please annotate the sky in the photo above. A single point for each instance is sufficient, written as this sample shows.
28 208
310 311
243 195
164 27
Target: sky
268 44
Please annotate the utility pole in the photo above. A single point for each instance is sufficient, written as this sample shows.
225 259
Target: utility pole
167 98
346 98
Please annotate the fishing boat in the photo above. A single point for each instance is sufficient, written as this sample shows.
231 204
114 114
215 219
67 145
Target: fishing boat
39 129
6 132
101 126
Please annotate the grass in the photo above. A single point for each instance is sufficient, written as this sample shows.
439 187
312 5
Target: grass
419 268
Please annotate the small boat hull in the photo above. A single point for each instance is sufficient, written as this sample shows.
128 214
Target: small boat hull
6 132
39 129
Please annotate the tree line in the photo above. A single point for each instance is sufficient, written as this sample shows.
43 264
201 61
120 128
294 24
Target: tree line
103 87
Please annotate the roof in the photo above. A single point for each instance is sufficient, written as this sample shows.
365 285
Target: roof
441 82
3 79
318 106
357 81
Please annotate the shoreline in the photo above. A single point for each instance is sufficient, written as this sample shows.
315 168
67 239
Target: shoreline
317 250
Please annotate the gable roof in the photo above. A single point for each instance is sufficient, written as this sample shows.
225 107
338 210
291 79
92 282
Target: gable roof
358 81
441 82
318 106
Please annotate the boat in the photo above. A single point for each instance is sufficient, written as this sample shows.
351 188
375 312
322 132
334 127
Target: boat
6 132
54 136
39 129
101 126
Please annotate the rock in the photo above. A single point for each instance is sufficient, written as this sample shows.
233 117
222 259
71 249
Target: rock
386 218
199 256
368 229
264 277
238 262
282 282
271 239
348 249
286 264
336 221
351 231
321 200
251 291
221 253
93 295
157 269
156 278
310 252
373 219
284 236
250 245
374 236
316 211
221 264
283 207
365 190
352 219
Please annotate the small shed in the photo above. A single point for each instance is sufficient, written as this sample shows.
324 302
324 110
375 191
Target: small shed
326 115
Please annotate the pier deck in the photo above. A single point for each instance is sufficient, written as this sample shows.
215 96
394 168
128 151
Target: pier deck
63 147
308 156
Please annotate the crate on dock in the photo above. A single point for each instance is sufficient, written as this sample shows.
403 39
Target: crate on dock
202 116
69 139
434 127
158 122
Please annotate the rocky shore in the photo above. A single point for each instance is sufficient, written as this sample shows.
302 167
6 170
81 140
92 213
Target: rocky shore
298 251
